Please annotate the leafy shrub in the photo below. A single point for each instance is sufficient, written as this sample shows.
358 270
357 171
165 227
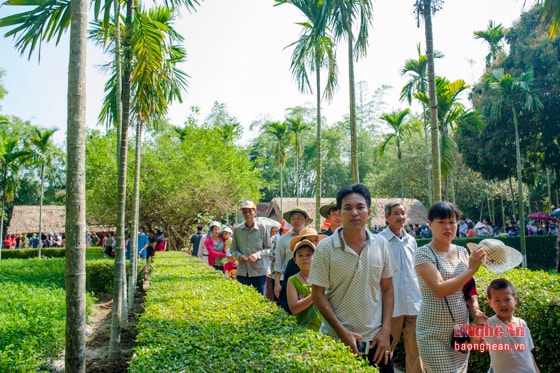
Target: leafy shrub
94 252
196 320
541 250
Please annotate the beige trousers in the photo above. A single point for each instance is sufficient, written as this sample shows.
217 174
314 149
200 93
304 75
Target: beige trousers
406 326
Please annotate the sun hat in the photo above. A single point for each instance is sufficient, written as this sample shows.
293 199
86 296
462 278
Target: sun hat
479 225
499 257
248 205
298 209
303 243
305 234
227 229
214 224
326 209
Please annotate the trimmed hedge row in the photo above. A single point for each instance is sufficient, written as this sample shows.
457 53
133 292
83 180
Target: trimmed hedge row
94 252
196 320
99 269
541 250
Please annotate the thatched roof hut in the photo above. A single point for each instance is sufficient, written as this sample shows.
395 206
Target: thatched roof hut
25 219
417 213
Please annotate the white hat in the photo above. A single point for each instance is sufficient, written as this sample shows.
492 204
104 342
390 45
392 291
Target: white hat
227 229
499 257
479 225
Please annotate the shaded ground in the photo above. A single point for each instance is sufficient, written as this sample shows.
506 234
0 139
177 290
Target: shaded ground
99 331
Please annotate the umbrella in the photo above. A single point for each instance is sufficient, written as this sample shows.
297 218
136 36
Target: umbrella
539 215
267 221
555 213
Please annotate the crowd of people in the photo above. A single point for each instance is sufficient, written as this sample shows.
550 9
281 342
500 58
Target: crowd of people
368 288
32 240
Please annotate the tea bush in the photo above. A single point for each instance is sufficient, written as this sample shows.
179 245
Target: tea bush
33 306
196 320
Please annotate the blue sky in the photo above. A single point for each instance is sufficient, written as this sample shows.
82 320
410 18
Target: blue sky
237 56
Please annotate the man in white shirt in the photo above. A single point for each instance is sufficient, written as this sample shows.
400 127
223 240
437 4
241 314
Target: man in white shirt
405 285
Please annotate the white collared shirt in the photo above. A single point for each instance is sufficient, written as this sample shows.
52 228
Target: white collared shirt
405 280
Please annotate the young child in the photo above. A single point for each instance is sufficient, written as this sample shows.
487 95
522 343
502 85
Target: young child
230 268
298 290
519 358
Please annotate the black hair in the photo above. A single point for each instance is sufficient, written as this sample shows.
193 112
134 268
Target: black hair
500 284
351 189
199 228
443 210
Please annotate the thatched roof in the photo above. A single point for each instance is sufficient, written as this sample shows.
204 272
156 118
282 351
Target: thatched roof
417 213
25 219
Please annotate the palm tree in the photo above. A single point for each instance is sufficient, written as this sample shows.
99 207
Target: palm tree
342 20
279 131
418 82
551 13
510 92
296 127
156 83
314 51
494 36
401 130
12 156
43 153
425 9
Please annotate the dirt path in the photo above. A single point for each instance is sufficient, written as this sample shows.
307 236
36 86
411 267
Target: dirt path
99 335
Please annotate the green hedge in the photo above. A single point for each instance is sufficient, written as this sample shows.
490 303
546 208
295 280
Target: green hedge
94 252
50 272
196 320
541 250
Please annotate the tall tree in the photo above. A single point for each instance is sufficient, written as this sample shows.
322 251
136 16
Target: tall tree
314 51
425 9
510 92
296 128
551 13
400 131
13 154
417 70
342 20
279 131
44 152
494 36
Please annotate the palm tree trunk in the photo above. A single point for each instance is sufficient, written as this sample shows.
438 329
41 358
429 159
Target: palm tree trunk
319 159
513 210
41 211
520 191
118 286
436 165
2 217
135 222
75 225
353 127
297 169
281 193
427 153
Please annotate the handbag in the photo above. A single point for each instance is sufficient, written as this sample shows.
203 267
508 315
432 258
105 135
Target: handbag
459 336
